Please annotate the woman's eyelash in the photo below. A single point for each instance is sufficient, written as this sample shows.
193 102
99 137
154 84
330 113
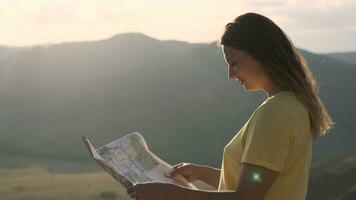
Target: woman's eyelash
233 63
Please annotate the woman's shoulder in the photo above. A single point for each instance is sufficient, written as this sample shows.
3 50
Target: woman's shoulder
283 108
274 110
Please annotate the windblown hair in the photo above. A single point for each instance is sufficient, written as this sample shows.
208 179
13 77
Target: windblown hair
262 39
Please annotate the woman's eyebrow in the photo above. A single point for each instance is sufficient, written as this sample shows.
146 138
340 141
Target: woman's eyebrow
229 60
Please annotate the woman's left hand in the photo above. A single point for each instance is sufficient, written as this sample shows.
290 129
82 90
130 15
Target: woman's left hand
152 191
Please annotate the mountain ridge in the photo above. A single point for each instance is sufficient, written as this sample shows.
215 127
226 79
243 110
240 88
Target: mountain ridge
166 90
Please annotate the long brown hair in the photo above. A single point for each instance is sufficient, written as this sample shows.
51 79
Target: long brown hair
261 38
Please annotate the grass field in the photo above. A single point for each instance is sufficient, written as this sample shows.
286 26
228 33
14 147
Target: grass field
37 183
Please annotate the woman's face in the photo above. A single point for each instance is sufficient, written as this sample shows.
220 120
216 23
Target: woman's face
243 67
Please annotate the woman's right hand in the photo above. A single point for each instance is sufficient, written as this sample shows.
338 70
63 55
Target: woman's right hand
187 170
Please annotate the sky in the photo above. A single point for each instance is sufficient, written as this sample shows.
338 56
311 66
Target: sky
320 26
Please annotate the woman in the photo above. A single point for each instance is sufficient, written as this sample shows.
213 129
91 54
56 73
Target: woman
269 158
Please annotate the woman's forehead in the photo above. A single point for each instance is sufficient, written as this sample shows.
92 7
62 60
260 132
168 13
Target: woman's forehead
232 52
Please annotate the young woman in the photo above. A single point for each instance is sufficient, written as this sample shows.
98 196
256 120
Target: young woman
269 157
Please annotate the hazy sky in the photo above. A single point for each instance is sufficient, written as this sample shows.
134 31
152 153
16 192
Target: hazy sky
315 25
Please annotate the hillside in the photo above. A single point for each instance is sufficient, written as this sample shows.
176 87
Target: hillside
334 179
331 180
348 57
174 93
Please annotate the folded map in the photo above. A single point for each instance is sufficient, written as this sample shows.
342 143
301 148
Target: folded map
128 160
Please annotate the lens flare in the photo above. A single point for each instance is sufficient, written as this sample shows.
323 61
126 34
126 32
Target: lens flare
256 177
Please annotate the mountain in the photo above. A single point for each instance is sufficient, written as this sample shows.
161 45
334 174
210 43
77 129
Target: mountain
176 94
348 57
7 52
333 179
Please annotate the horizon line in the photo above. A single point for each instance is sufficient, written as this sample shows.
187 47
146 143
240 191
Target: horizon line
148 36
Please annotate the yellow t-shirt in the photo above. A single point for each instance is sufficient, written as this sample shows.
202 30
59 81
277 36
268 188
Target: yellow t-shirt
276 136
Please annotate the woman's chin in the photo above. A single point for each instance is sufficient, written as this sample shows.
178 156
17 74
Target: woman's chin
250 89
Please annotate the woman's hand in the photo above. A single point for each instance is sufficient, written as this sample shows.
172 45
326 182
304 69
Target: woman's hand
152 191
188 170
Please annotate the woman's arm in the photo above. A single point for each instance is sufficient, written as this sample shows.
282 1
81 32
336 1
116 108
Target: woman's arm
254 184
192 172
209 175
250 187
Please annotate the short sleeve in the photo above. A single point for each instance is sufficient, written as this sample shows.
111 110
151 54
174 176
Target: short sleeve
269 137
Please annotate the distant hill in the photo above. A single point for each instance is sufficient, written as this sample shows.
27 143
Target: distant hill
333 179
348 57
7 52
175 93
